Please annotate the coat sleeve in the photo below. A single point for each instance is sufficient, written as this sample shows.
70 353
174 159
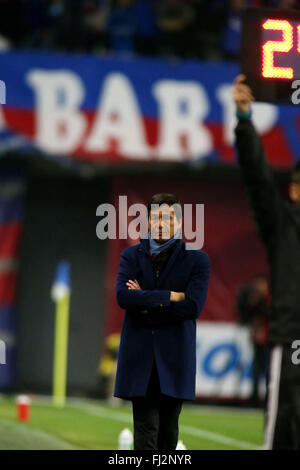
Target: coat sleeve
265 200
195 293
137 299
195 297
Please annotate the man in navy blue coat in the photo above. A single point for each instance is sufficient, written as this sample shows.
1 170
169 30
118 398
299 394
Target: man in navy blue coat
162 285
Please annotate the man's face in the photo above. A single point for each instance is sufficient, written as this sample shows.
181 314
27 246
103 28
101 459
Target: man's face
294 192
163 224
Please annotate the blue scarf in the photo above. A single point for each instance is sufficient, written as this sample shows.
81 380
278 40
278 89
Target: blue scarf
155 248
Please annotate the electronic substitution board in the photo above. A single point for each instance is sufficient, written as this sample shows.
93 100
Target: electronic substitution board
270 53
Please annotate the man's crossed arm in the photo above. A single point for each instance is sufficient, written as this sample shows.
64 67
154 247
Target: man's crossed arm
174 296
186 305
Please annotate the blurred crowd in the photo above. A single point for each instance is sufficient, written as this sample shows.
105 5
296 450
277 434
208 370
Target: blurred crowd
208 29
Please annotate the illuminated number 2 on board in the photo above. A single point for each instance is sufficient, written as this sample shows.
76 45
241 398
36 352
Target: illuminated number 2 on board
285 45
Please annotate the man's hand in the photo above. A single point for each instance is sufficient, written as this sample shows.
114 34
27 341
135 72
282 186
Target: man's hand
242 94
174 296
133 285
177 296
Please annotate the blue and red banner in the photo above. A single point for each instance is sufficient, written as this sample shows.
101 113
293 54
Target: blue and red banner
11 215
111 110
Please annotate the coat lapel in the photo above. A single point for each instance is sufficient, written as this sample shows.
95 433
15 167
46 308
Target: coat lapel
147 267
146 264
176 256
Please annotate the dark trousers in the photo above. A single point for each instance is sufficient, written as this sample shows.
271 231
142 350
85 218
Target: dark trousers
155 418
260 366
282 430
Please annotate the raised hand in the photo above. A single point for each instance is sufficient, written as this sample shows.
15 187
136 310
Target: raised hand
242 94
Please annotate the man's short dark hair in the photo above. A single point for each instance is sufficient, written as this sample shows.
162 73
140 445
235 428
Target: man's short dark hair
295 175
169 199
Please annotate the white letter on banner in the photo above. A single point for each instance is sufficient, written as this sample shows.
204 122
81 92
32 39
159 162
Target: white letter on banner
264 115
118 118
2 92
2 353
183 107
60 125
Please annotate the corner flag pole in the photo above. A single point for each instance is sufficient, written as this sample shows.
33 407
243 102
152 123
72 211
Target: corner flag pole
61 295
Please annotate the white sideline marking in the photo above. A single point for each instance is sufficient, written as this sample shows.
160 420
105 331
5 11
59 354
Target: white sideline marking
217 437
216 410
124 417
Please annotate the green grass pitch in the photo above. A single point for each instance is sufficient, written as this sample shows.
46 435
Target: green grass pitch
91 424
